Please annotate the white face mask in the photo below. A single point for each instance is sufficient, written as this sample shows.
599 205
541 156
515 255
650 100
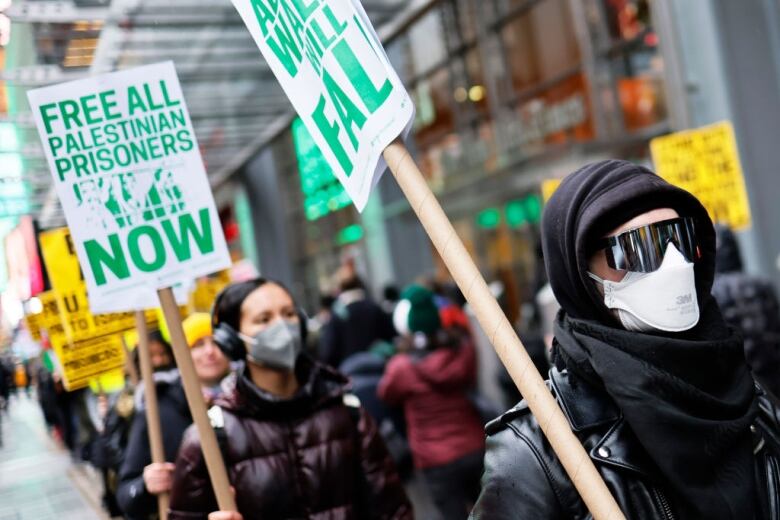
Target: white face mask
664 299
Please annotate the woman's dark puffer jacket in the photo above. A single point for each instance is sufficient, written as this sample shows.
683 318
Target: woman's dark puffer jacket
525 480
310 456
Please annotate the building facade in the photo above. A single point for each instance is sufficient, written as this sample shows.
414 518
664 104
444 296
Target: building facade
509 93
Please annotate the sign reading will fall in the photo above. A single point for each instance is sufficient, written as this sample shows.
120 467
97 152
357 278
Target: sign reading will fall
331 65
129 175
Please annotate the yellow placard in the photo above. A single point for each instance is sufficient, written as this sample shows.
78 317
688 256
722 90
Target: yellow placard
206 290
88 358
49 320
109 382
705 162
31 323
87 344
65 275
548 188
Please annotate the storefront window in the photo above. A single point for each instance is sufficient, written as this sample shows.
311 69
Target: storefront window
477 89
627 19
433 99
540 44
640 89
625 39
427 43
557 115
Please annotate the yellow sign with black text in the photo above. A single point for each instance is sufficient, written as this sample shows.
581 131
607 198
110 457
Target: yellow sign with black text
48 322
705 162
207 289
31 323
89 358
65 275
90 344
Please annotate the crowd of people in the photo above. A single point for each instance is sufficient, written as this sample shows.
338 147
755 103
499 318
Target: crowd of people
672 392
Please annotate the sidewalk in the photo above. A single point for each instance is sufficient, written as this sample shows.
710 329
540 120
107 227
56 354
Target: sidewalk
38 481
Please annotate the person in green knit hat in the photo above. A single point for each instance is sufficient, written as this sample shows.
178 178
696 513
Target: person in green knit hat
431 378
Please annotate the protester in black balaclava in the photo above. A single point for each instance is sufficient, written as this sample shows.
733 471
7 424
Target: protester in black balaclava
649 376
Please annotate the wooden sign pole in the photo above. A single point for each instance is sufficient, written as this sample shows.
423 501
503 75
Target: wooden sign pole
508 346
208 440
152 411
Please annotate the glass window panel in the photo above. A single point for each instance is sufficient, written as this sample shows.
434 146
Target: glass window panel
540 44
427 43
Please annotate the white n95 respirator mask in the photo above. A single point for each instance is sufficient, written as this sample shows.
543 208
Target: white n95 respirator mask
664 299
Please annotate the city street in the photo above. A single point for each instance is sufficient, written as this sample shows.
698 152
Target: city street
408 259
37 479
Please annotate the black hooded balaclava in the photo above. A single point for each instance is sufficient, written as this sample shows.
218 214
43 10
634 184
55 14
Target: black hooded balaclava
593 201
688 397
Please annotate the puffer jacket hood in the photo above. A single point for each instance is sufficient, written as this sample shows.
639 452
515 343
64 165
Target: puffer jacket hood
590 203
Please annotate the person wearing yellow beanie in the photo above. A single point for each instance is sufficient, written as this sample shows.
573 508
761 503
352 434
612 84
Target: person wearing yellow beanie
211 365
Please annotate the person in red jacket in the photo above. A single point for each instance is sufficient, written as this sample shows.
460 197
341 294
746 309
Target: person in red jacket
431 379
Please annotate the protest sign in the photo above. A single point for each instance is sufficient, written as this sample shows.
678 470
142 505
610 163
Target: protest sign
31 322
131 181
333 68
331 64
49 320
89 345
67 282
705 162
206 290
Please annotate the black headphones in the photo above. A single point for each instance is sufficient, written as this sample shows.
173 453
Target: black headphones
228 339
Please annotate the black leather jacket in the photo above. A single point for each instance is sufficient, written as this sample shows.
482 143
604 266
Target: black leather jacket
524 479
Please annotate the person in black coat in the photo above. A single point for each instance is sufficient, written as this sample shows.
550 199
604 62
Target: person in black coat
140 480
357 322
650 377
749 304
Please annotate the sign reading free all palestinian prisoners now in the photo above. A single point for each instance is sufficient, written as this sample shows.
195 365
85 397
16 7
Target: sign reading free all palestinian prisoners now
132 184
331 65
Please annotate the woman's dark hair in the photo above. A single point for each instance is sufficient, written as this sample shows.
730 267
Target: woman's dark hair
157 337
227 306
351 283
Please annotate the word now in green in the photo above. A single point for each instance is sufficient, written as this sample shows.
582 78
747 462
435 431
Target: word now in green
179 235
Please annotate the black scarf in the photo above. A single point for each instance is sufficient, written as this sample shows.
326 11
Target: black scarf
689 399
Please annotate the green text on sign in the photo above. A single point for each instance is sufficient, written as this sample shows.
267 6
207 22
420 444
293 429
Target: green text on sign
296 31
178 234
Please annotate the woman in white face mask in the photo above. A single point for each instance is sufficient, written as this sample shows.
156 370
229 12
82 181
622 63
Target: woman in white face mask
650 377
295 444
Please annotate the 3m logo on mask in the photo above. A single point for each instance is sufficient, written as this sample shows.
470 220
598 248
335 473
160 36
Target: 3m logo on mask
686 299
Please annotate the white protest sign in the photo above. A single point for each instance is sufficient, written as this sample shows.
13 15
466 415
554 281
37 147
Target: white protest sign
132 184
333 68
